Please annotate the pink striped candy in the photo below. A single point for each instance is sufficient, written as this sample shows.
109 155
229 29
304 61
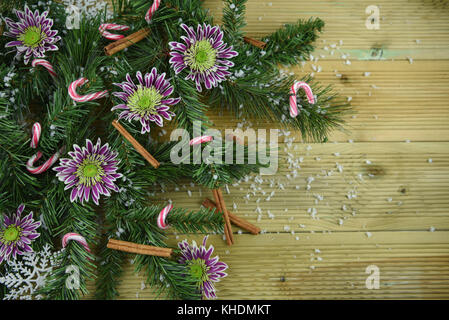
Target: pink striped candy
76 237
47 65
47 164
88 97
152 9
163 215
112 26
199 140
36 134
293 91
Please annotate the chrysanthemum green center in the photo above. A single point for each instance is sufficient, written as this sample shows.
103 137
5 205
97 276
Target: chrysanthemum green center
11 233
201 56
90 172
32 36
198 269
144 101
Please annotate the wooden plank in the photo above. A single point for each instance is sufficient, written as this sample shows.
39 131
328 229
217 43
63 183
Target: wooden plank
398 101
374 191
402 22
411 265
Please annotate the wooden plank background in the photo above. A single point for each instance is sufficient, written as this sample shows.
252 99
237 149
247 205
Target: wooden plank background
380 193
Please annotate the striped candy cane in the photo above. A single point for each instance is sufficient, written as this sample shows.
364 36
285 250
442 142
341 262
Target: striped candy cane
293 91
112 26
76 237
88 97
36 134
152 9
47 65
199 140
163 215
47 164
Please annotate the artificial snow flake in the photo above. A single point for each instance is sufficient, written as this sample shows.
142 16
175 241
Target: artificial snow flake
88 8
26 274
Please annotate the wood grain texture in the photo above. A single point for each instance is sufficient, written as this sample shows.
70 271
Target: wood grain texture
389 205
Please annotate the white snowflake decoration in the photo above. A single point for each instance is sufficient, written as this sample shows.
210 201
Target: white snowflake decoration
89 8
28 273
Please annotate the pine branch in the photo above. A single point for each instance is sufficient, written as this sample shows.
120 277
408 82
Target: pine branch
267 99
234 19
213 174
73 263
169 278
16 184
110 269
292 43
82 220
181 220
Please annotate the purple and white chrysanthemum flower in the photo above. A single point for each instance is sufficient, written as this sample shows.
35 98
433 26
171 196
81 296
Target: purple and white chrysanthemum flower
202 267
32 33
204 53
147 101
17 234
91 170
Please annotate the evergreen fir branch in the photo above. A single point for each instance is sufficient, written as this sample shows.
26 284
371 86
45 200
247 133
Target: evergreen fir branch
171 9
109 270
292 43
181 220
57 287
190 109
79 219
33 82
169 278
213 174
234 20
139 225
17 184
268 99
316 122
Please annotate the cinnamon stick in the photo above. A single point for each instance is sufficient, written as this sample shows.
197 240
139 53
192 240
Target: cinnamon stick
226 228
139 148
132 247
239 222
125 42
218 195
129 38
257 43
137 245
